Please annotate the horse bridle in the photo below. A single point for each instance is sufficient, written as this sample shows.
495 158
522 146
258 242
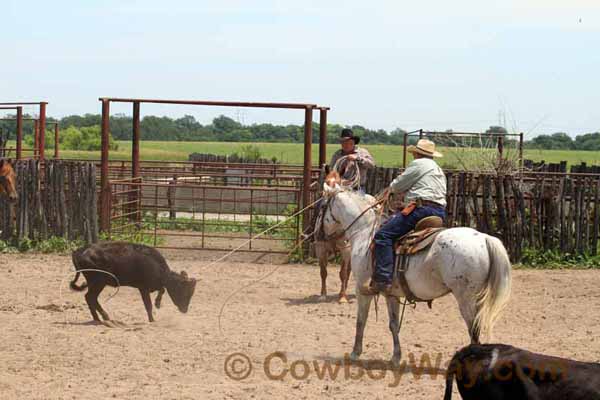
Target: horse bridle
337 235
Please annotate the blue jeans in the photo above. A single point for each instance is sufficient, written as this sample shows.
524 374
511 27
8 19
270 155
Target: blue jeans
397 226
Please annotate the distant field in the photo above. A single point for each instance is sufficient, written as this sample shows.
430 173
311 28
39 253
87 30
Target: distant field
385 155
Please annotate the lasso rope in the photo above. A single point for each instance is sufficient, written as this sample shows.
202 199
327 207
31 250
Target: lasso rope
354 182
262 233
267 274
258 280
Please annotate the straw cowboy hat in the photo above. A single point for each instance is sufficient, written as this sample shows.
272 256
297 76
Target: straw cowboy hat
424 147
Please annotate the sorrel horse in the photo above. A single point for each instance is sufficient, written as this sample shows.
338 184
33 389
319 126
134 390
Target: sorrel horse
8 180
323 250
471 265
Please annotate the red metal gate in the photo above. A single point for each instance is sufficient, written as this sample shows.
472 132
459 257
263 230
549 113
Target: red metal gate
218 206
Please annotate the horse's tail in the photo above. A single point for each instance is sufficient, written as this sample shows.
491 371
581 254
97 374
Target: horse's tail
494 295
74 285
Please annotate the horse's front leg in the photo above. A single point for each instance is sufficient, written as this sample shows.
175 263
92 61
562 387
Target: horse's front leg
393 306
323 257
346 254
364 303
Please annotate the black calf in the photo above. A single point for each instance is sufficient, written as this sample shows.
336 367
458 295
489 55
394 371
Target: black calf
497 371
133 265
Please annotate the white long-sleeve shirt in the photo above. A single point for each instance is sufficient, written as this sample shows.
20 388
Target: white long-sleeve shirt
422 179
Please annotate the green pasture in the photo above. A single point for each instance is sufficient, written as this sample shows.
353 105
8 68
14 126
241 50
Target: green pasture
385 155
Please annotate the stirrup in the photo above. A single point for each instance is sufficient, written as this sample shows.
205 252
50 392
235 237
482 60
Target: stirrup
376 288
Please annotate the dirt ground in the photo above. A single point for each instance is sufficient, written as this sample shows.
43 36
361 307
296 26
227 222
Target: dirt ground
49 350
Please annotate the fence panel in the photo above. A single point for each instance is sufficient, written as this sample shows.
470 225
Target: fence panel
555 211
217 207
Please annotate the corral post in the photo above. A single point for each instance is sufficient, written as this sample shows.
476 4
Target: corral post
322 136
56 140
307 166
405 141
420 134
500 146
105 188
42 130
36 138
19 132
521 151
135 141
135 160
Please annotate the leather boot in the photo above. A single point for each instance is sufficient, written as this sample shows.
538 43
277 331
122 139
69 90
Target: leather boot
375 288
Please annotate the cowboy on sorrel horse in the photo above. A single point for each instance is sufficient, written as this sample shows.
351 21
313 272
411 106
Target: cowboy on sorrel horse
8 180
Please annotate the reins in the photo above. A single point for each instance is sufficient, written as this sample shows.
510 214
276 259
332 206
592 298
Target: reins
343 232
384 196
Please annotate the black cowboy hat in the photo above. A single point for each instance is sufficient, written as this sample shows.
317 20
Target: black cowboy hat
348 134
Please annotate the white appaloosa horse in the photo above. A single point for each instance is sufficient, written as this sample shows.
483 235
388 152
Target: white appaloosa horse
473 266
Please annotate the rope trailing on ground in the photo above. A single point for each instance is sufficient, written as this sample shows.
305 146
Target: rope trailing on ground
257 281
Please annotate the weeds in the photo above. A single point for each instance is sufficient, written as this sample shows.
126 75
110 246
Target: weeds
548 259
52 245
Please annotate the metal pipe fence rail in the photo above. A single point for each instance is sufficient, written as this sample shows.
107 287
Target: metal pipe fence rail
201 216
273 175
40 131
20 123
120 169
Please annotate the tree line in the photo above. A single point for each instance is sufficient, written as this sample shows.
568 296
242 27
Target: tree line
226 129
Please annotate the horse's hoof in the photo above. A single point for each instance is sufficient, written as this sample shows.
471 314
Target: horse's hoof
354 356
343 300
396 361
323 297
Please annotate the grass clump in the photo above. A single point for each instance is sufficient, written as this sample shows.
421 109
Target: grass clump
551 259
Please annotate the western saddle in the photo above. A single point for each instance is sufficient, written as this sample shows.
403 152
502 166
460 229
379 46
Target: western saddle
412 243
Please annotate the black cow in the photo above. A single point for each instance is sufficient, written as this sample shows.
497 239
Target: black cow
132 265
497 371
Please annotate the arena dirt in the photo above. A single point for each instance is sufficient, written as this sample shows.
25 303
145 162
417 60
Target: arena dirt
49 350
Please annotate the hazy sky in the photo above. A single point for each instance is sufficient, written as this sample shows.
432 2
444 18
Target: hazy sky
383 64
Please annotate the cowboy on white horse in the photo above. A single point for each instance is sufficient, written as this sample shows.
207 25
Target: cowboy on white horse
473 266
424 185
